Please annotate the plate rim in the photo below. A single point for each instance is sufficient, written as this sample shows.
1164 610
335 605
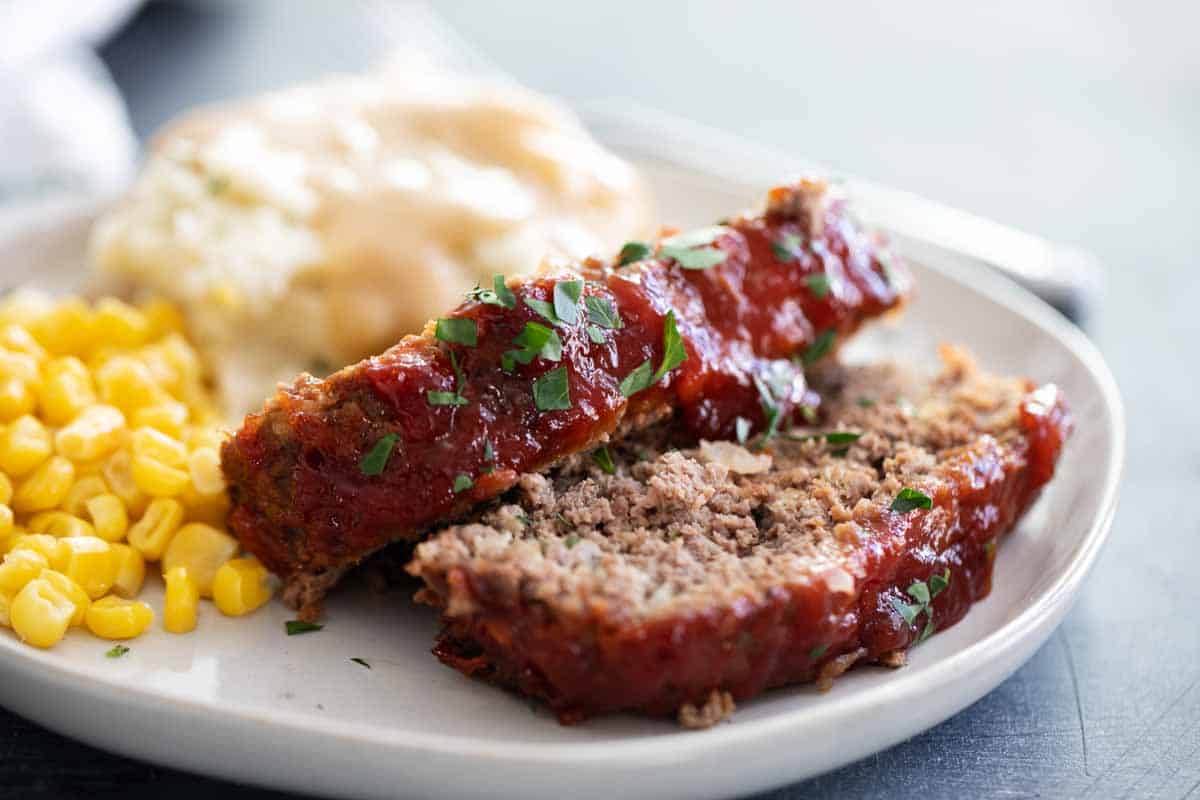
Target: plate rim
1032 621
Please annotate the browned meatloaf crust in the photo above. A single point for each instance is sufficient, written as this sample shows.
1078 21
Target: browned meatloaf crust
692 578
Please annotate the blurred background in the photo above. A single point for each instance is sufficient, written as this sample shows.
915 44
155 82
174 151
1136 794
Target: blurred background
1077 121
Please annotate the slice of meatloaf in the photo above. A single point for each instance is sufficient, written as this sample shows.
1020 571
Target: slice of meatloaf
691 578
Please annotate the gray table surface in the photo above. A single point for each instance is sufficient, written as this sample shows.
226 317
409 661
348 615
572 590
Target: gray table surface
1077 120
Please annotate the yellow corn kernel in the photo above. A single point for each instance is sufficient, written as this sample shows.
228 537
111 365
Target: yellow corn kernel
211 509
66 328
72 590
128 384
108 517
95 433
204 466
155 444
46 487
6 522
66 390
90 562
16 399
117 471
44 544
182 358
19 568
60 524
40 613
168 417
131 571
23 445
152 533
240 586
25 307
202 549
162 317
20 340
158 479
117 618
119 324
181 601
21 366
5 608
84 489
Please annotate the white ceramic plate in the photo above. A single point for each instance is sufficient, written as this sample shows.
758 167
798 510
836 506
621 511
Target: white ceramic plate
238 699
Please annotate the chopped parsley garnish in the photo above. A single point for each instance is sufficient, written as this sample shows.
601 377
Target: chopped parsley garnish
361 662
546 310
535 340
833 437
456 331
818 284
909 500
601 312
116 651
454 398
692 251
295 627
674 354
820 348
498 295
923 594
551 392
817 651
741 427
603 459
865 402
571 541
809 413
788 249
633 251
462 483
489 452
566 300
770 410
374 462
596 334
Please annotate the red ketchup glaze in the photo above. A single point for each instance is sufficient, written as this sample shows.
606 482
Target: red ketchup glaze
588 666
303 505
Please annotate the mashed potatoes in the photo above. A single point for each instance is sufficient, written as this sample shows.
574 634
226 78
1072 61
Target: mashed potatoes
306 229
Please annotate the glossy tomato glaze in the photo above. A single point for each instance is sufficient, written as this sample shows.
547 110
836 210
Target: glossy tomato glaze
303 505
586 666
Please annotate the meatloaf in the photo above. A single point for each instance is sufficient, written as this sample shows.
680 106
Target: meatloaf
713 327
678 581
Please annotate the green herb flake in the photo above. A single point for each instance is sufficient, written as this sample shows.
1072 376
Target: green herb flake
865 402
498 295
216 185
819 285
571 541
551 392
596 334
639 379
535 339
910 499
603 459
445 399
939 582
919 591
633 251
546 310
116 651
566 300
692 251
462 483
818 651
809 413
562 518
603 313
833 437
374 462
456 330
361 662
507 362
741 427
295 627
820 348
788 248
927 631
489 452
906 610
674 353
